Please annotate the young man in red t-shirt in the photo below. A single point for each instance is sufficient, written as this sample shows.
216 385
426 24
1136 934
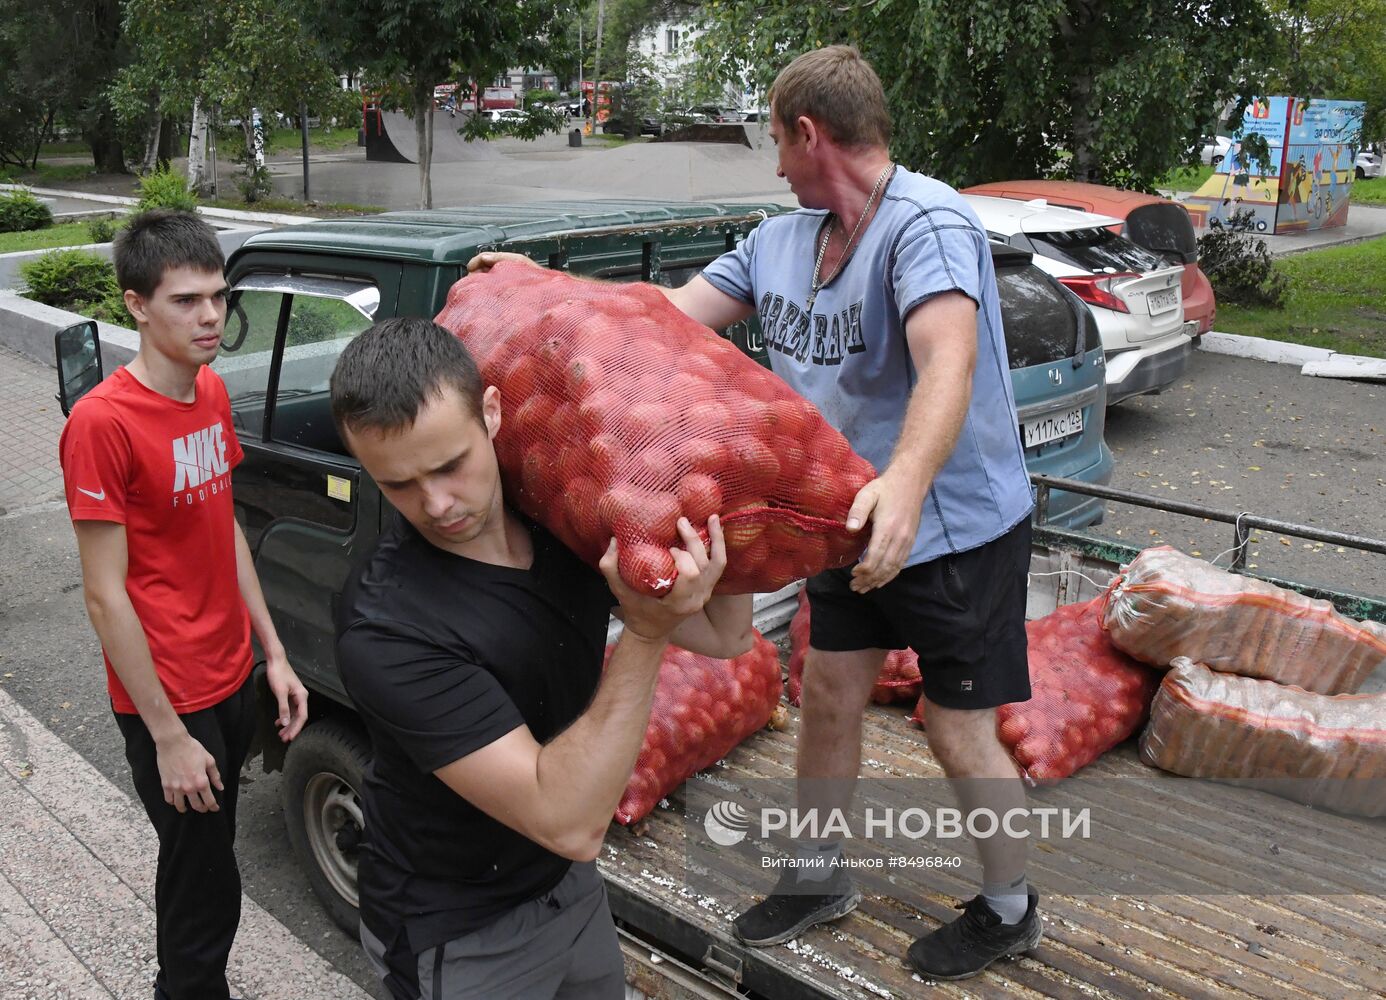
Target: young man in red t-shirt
170 587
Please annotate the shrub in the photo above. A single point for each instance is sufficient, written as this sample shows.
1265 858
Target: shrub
20 212
103 229
165 189
1240 268
79 281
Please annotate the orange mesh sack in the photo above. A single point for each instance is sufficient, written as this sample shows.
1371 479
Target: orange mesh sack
1086 696
702 709
620 413
1322 750
1166 605
899 679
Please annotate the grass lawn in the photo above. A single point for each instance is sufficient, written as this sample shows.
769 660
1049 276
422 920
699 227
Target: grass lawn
1369 192
1337 300
1185 178
320 140
67 234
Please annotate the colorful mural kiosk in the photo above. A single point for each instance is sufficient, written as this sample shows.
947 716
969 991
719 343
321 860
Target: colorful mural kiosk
1307 182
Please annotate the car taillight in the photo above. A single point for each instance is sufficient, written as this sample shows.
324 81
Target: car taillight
1096 289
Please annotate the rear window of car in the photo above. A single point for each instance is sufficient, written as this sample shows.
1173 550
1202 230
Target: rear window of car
1040 322
1163 228
1095 250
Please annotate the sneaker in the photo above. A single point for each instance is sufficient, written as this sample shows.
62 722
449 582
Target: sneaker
975 940
790 910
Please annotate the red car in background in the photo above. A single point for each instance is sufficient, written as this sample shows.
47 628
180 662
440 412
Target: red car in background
1156 223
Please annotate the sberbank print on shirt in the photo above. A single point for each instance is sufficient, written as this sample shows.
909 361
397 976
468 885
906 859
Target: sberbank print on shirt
787 330
199 466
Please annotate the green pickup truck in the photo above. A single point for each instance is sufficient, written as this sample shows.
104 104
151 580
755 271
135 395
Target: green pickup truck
300 294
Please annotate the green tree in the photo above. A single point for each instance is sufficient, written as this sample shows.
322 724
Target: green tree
1103 90
1331 49
235 55
407 47
55 61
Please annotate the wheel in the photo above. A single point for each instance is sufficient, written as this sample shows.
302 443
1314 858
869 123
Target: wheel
321 799
1361 174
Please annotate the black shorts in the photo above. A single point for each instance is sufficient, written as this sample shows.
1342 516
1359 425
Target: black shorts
963 614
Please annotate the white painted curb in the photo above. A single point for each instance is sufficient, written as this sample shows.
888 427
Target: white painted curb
265 218
1312 360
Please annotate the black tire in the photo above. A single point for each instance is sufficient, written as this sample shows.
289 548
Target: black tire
321 799
1361 174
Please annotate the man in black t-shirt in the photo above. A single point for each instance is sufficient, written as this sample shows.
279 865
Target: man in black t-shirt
472 643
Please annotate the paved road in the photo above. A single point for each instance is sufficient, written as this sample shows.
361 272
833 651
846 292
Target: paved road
1245 435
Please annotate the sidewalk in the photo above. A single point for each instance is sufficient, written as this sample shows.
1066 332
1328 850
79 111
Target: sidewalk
77 888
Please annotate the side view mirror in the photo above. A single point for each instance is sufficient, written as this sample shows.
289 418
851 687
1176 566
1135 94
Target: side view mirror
78 352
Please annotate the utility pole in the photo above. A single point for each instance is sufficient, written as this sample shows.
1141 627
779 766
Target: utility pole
597 59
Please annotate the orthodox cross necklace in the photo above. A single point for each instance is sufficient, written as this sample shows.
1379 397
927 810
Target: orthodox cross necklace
817 282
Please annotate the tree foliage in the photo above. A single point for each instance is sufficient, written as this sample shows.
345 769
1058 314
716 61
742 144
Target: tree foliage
1331 49
1114 91
411 46
233 54
56 58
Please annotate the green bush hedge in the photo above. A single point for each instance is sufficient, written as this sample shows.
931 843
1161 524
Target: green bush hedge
20 212
79 281
165 189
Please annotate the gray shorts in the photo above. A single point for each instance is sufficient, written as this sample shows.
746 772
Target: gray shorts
562 945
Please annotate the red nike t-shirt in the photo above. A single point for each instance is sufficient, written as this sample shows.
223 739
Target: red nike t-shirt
163 469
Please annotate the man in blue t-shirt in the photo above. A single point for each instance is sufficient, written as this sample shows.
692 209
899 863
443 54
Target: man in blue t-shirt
878 303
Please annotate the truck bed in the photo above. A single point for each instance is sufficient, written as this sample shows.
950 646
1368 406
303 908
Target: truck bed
1215 945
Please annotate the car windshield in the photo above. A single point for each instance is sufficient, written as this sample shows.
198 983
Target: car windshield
1095 250
1164 228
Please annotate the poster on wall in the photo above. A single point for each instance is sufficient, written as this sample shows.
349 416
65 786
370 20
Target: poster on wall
1306 183
1316 175
1240 182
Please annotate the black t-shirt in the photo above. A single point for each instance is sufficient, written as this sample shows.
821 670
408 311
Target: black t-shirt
443 655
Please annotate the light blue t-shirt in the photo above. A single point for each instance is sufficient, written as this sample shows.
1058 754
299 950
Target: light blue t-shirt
851 359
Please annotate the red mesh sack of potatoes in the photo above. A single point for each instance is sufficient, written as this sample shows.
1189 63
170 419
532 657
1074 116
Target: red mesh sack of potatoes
1086 696
702 709
899 679
619 414
1167 604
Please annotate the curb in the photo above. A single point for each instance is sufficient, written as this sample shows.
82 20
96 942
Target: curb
1311 360
264 218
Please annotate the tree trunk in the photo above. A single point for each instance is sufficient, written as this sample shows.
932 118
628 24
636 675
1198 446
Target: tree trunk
1085 166
153 138
423 130
197 149
168 135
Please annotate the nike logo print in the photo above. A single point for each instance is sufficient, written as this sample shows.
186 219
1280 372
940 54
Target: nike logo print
94 496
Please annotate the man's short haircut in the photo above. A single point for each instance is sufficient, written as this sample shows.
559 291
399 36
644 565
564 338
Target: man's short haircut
159 239
386 374
839 90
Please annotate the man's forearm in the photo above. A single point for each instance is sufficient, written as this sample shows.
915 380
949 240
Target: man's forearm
583 772
126 645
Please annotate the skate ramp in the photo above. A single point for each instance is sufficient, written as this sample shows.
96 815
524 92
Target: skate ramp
391 138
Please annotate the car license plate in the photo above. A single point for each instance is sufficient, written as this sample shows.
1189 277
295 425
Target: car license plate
1051 428
1162 301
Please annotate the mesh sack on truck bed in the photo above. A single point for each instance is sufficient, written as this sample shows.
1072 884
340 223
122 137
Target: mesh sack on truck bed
899 679
620 413
1086 696
1166 605
1322 750
702 709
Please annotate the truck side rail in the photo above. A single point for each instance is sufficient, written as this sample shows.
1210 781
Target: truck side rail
1351 603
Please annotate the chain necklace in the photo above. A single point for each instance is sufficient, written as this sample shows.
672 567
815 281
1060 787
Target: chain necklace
815 282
